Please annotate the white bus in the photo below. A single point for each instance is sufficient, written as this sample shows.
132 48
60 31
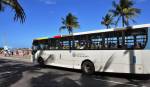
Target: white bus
119 50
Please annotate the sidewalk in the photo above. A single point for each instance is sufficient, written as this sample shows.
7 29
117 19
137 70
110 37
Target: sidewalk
18 58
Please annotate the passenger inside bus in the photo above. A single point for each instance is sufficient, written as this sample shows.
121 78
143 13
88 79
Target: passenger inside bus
138 45
82 46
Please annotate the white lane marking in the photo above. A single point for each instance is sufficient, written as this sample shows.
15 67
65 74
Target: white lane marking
4 73
119 83
7 72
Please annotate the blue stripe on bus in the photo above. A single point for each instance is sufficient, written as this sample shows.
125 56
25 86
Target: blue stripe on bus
148 43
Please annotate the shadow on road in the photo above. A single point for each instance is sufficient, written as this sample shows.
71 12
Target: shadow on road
52 79
115 75
125 76
63 80
12 71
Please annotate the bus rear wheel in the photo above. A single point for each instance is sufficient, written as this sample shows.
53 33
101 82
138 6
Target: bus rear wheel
41 61
88 68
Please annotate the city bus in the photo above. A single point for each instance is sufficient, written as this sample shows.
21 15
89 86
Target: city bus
115 50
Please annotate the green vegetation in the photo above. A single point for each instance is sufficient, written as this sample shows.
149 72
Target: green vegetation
19 12
69 23
107 20
125 9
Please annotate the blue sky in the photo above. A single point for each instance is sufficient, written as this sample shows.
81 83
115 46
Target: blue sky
44 18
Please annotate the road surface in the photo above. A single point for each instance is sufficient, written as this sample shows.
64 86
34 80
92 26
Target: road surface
15 73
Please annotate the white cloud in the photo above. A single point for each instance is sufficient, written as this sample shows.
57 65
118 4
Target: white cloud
48 2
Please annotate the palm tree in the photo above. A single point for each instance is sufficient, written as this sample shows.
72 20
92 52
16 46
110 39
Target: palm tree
107 20
19 12
69 23
125 10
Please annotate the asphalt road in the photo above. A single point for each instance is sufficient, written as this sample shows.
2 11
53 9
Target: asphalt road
24 74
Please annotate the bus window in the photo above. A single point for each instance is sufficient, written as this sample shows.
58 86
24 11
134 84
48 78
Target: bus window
136 39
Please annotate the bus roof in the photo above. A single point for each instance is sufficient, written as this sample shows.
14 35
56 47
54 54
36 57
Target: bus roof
98 31
112 29
42 38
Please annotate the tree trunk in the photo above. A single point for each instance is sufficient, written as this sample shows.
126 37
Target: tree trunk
123 33
69 41
123 21
107 26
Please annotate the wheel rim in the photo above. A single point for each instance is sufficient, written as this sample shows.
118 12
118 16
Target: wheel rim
88 68
41 61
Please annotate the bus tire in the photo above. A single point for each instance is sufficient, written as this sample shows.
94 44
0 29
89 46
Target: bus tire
87 67
41 61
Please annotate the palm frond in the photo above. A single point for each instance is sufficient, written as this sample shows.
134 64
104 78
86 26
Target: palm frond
62 28
134 21
76 25
70 22
114 4
1 6
126 10
19 12
63 21
116 23
107 20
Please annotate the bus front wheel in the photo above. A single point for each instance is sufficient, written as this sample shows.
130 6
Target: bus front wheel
88 67
41 61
